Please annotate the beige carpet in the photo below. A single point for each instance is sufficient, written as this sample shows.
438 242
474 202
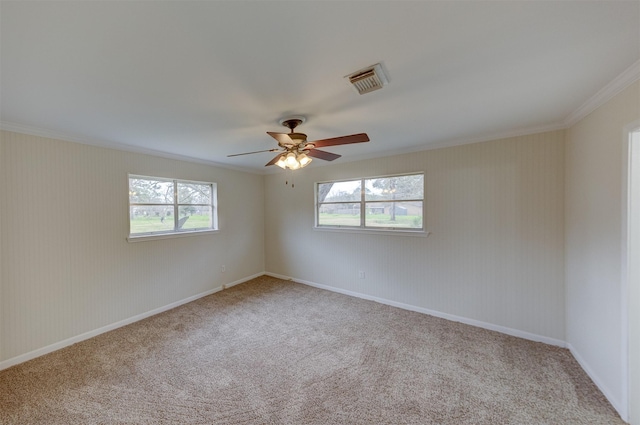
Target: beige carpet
275 352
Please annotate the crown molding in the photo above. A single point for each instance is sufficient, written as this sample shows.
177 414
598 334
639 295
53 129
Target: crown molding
50 134
621 82
458 142
518 132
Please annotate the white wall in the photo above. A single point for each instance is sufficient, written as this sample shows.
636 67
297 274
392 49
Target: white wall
594 200
67 268
496 252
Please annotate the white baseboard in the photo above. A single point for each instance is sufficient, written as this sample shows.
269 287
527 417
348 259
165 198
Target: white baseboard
244 279
454 318
617 404
82 337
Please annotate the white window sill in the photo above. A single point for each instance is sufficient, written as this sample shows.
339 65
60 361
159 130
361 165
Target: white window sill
418 233
145 238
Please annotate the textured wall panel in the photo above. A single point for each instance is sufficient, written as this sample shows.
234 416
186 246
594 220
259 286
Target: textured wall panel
496 252
67 268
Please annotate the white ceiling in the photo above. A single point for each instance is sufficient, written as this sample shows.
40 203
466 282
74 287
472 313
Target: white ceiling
209 79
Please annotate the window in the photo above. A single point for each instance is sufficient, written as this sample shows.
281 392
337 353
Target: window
169 206
381 203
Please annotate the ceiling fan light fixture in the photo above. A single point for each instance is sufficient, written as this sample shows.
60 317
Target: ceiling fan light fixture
291 162
304 160
281 162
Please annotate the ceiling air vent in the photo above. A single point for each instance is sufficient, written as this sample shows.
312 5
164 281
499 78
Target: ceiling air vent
368 79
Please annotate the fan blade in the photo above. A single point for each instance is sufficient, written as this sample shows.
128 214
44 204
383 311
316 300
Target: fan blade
274 160
282 138
344 140
327 156
249 153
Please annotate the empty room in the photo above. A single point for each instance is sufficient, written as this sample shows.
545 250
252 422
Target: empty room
320 212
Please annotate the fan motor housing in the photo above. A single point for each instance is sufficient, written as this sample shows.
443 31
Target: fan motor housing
296 139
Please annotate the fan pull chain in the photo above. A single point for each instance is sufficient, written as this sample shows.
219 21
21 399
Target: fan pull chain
286 182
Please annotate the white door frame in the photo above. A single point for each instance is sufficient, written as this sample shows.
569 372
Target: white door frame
631 274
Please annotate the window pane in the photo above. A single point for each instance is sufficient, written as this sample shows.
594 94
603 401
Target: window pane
160 205
150 191
194 193
339 215
146 219
392 188
194 217
339 191
394 214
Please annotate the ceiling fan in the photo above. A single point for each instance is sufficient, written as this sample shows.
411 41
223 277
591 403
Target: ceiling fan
294 149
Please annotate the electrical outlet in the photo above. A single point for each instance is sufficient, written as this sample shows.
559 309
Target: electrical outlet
361 274
223 269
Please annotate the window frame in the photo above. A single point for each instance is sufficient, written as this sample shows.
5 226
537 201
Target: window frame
177 231
363 228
